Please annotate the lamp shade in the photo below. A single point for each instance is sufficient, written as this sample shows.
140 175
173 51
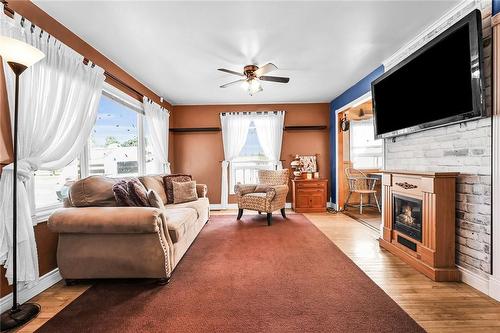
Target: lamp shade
13 50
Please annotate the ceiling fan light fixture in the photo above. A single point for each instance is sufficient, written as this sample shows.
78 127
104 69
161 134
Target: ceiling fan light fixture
253 86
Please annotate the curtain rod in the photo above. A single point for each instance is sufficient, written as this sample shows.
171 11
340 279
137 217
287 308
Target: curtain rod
10 12
249 112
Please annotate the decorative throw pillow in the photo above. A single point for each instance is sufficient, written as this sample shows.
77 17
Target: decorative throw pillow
155 200
138 193
120 189
184 191
167 182
130 192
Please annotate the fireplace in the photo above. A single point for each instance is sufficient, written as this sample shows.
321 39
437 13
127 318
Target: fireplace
407 216
419 221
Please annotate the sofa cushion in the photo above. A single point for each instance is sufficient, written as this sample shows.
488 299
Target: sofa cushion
200 206
179 221
167 182
184 191
155 183
93 191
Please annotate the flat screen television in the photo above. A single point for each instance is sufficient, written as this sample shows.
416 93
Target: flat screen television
439 84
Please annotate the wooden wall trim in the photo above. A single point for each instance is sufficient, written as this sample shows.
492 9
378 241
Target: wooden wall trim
38 17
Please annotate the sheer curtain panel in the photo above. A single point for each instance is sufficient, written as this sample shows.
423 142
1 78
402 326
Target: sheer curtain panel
157 121
269 127
234 134
58 102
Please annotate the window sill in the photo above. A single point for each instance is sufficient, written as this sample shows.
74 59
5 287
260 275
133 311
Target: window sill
42 214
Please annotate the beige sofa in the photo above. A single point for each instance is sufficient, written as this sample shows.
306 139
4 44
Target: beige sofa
97 239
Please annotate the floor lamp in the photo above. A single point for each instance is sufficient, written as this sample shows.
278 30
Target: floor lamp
19 56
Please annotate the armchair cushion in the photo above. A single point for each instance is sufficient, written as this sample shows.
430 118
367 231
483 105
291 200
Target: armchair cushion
105 220
254 201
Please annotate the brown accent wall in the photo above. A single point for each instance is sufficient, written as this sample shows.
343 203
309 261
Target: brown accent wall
200 154
47 245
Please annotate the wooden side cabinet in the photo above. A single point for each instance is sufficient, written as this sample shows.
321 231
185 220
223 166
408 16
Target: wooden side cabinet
309 196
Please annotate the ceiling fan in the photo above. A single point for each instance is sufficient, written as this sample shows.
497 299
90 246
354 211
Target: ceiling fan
252 77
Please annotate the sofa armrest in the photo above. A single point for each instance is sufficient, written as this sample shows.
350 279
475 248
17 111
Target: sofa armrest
201 190
106 220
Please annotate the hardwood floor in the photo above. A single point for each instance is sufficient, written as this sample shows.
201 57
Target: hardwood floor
437 306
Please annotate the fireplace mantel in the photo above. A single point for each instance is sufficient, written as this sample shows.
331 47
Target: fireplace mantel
429 198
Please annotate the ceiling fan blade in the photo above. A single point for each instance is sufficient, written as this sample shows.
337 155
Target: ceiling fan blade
231 83
275 79
265 69
230 71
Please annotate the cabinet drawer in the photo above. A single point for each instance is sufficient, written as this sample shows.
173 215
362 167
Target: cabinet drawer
311 185
310 191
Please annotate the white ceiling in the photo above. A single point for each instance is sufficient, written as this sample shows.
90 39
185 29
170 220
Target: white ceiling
174 48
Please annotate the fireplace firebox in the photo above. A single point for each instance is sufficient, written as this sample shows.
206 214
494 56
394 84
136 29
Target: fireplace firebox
407 216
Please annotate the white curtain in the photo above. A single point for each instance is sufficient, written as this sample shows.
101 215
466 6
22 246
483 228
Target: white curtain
234 135
58 102
157 121
269 128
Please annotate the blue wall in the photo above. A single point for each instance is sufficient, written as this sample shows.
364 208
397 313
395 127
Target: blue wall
359 89
496 6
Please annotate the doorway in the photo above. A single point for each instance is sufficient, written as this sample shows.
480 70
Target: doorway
360 155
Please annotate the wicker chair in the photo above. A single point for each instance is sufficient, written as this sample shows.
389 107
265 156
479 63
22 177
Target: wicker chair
267 196
362 184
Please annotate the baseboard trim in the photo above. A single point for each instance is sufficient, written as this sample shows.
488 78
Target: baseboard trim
494 288
474 280
235 206
25 294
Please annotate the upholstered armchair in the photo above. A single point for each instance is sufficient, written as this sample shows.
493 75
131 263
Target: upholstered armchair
267 196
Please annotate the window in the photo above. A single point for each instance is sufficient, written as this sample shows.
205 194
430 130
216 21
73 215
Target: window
51 187
251 159
365 151
117 148
113 146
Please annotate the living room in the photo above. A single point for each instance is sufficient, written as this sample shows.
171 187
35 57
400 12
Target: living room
249 166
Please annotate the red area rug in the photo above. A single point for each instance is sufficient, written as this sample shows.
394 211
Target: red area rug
244 277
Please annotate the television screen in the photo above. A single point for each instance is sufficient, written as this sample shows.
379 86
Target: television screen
438 84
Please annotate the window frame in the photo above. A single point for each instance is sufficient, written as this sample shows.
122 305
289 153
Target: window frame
42 213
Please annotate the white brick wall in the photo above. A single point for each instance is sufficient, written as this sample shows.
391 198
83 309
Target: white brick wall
464 148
